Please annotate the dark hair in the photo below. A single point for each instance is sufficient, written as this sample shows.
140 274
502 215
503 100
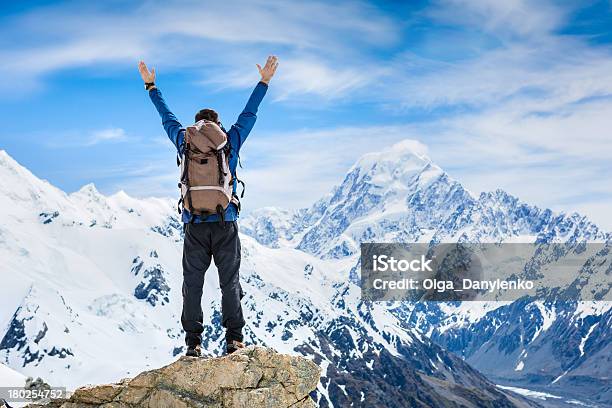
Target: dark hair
207 114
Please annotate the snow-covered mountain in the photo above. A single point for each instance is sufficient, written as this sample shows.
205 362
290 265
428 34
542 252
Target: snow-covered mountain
91 293
400 196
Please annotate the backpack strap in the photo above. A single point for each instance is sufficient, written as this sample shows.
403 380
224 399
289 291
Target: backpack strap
178 205
222 174
180 201
185 179
235 174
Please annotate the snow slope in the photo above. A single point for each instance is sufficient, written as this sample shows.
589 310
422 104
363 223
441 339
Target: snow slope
10 377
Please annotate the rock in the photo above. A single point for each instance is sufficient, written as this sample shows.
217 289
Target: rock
96 395
255 377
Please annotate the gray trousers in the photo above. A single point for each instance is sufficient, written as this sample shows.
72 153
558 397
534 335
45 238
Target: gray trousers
203 242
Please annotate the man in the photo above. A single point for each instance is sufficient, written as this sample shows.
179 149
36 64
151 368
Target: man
205 236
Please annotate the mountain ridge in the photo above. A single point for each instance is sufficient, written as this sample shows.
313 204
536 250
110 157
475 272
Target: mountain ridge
422 199
443 211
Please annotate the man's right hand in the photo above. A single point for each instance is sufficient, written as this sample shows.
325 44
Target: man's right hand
146 75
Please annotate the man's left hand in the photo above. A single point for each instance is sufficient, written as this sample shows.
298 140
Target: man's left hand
267 72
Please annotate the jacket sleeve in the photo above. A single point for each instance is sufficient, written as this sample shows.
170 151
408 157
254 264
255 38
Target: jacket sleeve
172 126
241 129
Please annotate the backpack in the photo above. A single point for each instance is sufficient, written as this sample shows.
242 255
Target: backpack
206 181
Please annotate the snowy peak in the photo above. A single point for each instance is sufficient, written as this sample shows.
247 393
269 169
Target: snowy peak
498 216
391 195
400 195
379 186
7 163
25 197
15 178
386 178
401 153
400 162
394 169
89 190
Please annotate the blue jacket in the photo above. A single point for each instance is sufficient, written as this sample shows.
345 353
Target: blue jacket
236 135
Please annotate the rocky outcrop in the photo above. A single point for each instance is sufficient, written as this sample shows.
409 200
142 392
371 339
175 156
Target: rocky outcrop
251 378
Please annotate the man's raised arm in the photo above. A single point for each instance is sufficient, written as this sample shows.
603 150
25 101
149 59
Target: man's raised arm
172 126
243 126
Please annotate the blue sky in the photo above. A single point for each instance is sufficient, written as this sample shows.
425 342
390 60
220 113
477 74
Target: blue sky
514 94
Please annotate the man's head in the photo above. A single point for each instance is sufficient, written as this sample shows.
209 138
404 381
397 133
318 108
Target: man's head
207 114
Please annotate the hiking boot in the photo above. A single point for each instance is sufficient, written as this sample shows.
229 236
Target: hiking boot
194 351
233 346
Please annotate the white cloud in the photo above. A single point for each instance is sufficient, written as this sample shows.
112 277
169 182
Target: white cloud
506 19
519 63
301 78
541 76
82 138
107 135
215 37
